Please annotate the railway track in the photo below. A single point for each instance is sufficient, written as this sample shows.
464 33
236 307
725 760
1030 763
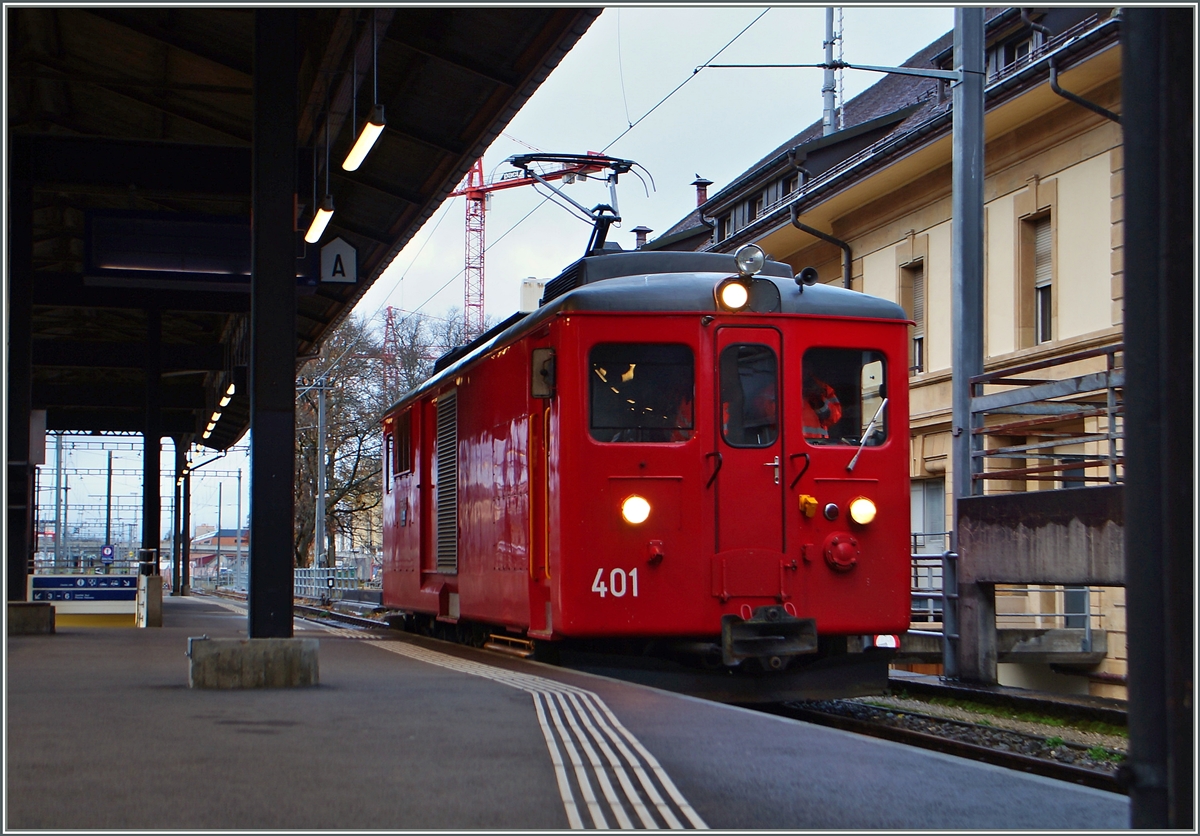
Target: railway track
316 613
320 613
1001 747
1035 754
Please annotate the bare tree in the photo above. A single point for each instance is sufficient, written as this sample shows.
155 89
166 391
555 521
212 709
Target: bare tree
350 365
348 368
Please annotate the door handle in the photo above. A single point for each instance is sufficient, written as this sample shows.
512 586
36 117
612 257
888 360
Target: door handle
803 470
774 464
716 470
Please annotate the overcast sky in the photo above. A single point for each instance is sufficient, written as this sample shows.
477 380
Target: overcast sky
717 125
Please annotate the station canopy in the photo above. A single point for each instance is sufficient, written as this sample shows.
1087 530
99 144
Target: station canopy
130 132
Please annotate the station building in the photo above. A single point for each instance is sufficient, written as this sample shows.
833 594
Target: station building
872 196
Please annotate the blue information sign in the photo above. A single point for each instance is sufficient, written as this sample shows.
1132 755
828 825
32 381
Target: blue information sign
91 588
106 554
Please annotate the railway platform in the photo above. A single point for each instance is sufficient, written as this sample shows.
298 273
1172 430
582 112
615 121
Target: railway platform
405 733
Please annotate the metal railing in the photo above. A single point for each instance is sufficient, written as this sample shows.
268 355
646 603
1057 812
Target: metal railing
943 567
1060 618
933 574
1068 425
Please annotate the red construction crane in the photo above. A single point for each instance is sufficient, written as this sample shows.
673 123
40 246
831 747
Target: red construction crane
388 354
476 192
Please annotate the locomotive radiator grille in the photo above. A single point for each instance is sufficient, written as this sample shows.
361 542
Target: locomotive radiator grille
447 482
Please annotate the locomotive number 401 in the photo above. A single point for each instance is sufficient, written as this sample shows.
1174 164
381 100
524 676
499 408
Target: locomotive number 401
619 582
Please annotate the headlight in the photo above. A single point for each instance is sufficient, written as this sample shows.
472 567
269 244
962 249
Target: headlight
750 259
732 295
862 510
635 509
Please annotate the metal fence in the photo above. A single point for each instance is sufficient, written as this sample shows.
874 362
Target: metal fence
318 584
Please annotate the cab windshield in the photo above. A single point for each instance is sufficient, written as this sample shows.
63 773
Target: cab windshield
843 390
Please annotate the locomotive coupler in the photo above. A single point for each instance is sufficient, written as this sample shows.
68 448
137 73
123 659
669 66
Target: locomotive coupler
771 635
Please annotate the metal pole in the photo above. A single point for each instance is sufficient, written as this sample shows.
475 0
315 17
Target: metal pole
828 87
966 305
108 505
177 538
177 518
66 513
950 634
319 523
186 552
58 490
220 502
1157 97
238 561
976 619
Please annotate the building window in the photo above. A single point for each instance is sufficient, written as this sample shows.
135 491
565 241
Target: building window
1036 298
722 227
928 526
1018 50
790 184
1007 55
1042 285
928 510
754 208
912 299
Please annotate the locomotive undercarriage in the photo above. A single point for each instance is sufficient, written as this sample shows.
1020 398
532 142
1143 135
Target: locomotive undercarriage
780 659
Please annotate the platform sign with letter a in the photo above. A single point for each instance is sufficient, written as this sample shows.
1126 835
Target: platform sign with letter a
339 262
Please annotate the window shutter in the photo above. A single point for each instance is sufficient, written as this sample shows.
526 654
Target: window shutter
918 297
1041 253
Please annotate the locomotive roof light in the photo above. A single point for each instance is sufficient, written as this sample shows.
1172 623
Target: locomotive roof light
750 259
635 509
862 510
732 294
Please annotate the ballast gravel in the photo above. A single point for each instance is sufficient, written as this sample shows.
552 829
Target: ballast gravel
1063 744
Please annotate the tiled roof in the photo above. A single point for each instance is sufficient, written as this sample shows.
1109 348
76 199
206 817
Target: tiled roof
892 113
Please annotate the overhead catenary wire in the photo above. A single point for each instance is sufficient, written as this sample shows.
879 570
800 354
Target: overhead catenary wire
686 80
621 70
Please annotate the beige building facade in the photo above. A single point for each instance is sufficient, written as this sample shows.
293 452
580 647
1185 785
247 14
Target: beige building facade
1053 269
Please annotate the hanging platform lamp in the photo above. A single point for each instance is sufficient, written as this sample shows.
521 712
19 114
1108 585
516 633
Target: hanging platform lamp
320 220
370 132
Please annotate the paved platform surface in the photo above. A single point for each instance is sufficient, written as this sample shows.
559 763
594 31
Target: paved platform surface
405 733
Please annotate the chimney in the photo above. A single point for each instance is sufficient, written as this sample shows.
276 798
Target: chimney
641 232
701 189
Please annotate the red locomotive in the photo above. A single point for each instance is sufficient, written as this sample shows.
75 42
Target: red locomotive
686 465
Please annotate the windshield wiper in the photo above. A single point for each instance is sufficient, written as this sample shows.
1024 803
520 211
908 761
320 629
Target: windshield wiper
866 435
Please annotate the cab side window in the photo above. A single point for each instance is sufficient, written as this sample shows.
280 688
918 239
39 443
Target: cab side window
641 392
403 451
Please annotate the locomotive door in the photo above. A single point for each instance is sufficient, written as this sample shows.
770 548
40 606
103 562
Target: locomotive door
749 485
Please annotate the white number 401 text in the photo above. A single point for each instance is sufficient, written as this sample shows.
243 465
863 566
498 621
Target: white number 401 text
619 582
